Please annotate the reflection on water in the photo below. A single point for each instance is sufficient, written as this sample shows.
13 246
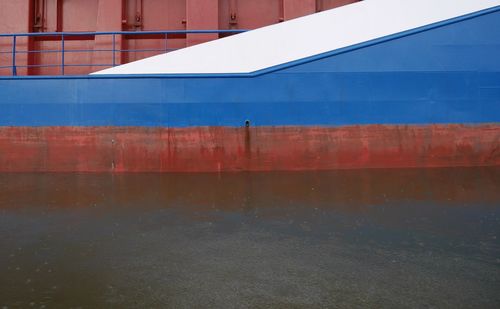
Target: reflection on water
410 238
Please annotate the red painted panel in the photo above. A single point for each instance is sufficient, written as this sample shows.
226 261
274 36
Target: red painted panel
330 4
296 8
164 15
50 19
248 14
14 17
78 16
154 15
201 14
212 149
109 15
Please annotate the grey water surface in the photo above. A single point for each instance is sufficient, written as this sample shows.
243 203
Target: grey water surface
407 238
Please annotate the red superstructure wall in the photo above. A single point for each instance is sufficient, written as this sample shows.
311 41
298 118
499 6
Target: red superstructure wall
131 15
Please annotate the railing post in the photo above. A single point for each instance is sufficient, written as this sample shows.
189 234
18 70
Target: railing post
114 49
62 53
14 69
166 46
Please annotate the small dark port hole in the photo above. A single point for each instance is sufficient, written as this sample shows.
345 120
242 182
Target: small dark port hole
247 123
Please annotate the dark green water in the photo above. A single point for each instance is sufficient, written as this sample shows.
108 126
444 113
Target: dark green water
370 238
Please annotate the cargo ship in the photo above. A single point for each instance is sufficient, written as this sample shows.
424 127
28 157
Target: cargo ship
373 84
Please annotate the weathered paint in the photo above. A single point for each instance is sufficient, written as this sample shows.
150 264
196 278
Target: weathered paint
214 149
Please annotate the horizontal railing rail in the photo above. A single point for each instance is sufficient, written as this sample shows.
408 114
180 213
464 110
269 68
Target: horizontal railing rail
63 37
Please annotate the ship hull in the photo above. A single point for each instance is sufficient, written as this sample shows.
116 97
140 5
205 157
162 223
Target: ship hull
424 98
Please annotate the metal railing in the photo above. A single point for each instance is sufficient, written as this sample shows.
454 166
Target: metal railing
64 37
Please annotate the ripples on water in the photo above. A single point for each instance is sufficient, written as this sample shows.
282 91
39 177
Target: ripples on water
397 238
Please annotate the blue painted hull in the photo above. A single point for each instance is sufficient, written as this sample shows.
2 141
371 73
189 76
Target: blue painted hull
327 99
446 74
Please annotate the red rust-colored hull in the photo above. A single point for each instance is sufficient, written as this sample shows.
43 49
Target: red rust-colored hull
214 149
